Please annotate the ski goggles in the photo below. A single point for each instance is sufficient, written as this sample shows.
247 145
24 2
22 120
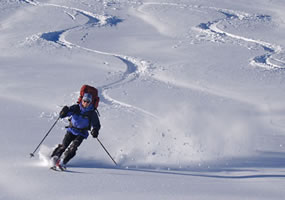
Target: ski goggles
86 101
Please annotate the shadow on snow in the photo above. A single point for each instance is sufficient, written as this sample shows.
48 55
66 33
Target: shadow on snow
264 165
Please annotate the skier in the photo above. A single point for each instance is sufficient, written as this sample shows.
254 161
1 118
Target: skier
83 117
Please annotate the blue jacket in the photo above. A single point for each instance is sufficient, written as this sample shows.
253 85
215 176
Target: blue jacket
82 119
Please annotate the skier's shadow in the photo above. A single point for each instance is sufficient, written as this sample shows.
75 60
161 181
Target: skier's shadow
253 167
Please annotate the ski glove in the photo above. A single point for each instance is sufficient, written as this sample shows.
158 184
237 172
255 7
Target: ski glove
94 132
63 112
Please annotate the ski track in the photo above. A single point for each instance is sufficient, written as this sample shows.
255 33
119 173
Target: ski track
266 60
32 2
211 28
134 66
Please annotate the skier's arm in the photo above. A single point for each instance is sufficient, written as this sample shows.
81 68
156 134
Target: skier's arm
95 122
63 112
68 111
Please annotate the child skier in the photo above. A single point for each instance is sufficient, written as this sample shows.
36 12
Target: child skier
83 117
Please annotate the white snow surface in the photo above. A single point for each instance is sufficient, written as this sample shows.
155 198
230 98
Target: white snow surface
192 98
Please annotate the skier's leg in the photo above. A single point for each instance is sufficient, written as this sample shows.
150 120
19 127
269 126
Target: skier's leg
58 151
71 151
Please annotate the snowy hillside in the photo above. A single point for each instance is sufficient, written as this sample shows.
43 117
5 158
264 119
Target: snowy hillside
192 98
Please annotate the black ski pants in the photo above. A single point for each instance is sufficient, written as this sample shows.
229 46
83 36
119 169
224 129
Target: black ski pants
69 147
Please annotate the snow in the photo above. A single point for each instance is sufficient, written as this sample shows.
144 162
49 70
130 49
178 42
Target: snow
192 101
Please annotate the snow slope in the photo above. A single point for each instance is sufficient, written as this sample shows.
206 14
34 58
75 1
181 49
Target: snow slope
192 101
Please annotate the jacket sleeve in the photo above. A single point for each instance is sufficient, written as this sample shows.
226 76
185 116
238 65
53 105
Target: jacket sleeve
95 122
73 109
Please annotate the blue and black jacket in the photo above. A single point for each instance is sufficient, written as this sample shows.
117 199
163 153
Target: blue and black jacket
82 119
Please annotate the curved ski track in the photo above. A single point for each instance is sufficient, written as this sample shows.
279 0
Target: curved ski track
134 66
266 60
211 28
269 60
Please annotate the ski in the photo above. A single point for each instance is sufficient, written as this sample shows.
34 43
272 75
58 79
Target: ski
53 168
58 169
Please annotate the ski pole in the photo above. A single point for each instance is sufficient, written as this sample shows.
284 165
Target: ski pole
107 152
32 154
